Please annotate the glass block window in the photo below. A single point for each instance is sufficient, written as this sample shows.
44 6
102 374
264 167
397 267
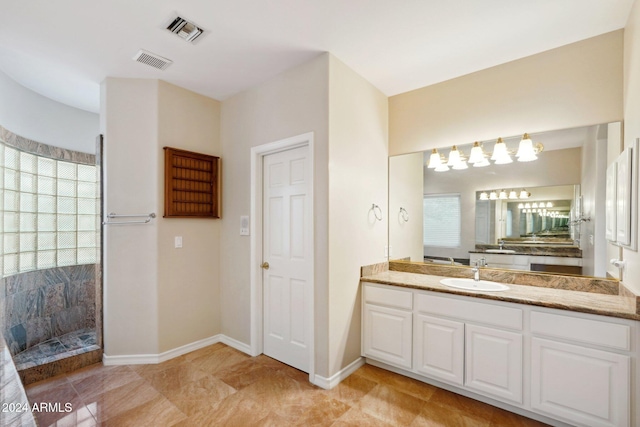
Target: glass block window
49 213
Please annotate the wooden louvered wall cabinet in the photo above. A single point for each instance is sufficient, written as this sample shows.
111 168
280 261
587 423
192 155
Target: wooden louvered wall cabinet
191 184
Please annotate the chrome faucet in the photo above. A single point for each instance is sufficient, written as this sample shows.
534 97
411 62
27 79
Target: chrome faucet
482 262
451 260
501 243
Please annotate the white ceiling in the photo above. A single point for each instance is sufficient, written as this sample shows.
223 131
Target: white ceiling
63 49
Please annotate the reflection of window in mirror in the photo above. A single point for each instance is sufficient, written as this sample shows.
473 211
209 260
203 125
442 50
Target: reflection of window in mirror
442 220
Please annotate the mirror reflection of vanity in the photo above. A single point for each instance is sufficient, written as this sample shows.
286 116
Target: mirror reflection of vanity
567 177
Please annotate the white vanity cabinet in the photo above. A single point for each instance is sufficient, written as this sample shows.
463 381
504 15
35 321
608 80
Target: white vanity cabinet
439 348
474 344
387 324
577 368
581 369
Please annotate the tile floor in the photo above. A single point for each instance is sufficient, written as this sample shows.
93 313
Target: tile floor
220 386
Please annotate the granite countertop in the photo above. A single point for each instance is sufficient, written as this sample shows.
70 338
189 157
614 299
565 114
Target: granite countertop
586 302
539 252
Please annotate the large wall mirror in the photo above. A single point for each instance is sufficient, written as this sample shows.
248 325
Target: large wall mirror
550 207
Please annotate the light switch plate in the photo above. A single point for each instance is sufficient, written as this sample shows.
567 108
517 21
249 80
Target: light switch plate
178 242
244 225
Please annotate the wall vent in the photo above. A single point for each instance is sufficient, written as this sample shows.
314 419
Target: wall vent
151 59
185 29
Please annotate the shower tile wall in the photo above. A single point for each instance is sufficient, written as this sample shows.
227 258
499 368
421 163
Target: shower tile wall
43 304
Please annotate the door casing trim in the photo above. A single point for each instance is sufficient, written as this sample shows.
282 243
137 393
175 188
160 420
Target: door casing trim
257 153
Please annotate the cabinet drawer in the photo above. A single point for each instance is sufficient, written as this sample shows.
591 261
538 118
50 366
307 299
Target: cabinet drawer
586 331
388 296
487 313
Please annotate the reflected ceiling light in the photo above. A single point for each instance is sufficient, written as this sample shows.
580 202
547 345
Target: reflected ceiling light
503 195
434 159
493 196
527 150
534 205
521 206
484 196
527 206
549 204
513 195
482 163
524 194
500 154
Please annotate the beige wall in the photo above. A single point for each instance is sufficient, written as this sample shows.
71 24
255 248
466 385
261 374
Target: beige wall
157 298
358 159
406 190
575 85
188 288
631 274
292 103
129 113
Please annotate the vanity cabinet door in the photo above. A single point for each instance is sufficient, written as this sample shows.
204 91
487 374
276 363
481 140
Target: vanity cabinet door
493 360
579 384
387 335
439 348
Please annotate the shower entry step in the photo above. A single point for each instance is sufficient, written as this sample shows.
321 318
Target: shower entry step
58 355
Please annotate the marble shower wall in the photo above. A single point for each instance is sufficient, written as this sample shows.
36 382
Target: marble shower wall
42 304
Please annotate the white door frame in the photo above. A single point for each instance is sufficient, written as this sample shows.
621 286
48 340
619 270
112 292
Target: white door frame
257 153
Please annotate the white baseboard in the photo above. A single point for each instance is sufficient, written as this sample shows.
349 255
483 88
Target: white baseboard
335 379
146 359
240 346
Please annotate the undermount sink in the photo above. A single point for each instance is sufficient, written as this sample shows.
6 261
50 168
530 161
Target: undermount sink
500 251
472 285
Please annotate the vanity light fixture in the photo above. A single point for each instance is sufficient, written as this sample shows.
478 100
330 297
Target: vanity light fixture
434 159
521 206
456 159
528 206
501 154
524 194
549 204
477 154
527 151
504 195
534 205
454 156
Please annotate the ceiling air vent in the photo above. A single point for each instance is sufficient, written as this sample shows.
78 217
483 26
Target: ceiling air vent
152 59
185 29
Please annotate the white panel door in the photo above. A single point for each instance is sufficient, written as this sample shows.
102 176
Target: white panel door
581 385
287 239
439 348
494 362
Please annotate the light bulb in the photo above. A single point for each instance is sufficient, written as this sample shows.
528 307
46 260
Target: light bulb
434 159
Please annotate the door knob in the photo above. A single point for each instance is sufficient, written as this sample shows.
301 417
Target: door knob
265 265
